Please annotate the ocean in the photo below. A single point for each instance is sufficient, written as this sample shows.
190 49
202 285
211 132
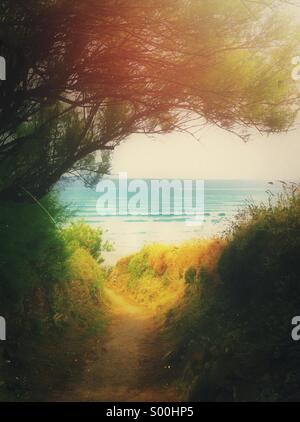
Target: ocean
222 199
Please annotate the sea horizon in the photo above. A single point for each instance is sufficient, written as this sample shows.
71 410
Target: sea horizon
223 199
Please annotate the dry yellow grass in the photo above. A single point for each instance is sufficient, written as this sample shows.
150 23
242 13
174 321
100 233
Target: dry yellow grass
154 276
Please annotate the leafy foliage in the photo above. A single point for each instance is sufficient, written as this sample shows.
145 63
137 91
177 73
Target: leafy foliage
51 287
81 235
235 336
156 275
83 76
32 251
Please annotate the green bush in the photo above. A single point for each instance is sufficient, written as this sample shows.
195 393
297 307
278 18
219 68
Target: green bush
50 294
77 303
33 252
81 235
262 258
190 275
139 266
236 338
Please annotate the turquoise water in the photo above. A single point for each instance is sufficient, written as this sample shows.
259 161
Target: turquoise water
222 200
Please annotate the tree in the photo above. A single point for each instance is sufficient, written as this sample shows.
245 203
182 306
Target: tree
82 76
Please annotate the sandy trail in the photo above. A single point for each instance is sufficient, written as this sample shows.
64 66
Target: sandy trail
127 364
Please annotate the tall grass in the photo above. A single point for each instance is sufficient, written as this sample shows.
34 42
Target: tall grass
50 294
157 276
234 338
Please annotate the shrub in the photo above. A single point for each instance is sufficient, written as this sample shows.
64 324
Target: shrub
155 276
76 303
138 265
190 275
50 293
32 251
81 235
236 339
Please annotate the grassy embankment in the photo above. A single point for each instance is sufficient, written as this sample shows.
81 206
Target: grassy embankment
228 305
155 277
225 305
51 294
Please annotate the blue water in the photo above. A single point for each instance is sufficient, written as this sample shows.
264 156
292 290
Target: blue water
222 200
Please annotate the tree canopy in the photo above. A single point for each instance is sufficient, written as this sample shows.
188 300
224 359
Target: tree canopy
83 76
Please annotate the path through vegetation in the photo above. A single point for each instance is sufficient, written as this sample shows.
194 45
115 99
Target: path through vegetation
127 365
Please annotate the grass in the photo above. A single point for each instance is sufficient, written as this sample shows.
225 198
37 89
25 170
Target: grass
157 276
227 304
51 294
232 331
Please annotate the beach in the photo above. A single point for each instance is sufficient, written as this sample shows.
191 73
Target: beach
222 201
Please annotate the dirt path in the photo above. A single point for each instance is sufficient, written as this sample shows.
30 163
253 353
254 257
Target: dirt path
127 364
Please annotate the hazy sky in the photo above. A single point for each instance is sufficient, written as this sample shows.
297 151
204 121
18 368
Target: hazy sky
218 155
